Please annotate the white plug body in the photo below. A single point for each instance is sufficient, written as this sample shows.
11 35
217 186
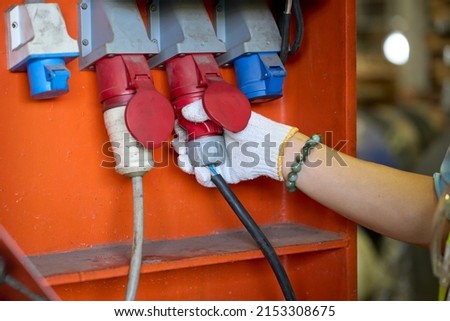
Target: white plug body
132 159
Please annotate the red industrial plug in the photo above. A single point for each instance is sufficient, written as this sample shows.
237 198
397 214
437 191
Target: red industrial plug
124 80
197 77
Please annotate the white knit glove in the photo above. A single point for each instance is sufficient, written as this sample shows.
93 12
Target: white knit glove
251 153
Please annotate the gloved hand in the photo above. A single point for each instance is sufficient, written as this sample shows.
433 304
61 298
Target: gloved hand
252 152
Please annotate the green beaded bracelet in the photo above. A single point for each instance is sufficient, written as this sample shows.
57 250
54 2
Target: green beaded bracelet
300 159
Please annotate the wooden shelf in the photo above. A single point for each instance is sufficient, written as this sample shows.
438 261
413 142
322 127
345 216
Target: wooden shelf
109 261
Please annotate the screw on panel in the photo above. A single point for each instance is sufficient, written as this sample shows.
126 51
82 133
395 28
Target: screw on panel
14 25
85 42
153 8
84 6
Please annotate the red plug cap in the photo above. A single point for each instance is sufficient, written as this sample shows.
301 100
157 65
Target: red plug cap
149 118
197 76
125 80
227 106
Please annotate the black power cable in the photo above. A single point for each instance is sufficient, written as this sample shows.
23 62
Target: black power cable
299 29
284 32
256 233
284 26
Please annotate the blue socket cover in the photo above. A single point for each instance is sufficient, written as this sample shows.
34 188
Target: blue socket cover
48 77
260 76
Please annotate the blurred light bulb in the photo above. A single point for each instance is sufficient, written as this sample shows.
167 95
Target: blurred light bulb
396 48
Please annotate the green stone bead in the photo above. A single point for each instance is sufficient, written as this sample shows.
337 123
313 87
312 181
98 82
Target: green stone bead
300 159
305 153
296 167
292 177
308 145
290 185
316 138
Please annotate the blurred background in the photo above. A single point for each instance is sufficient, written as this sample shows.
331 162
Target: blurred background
403 79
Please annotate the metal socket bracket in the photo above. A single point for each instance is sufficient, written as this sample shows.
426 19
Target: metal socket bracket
181 27
34 31
245 27
111 27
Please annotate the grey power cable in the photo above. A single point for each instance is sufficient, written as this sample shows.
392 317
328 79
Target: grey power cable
16 284
138 239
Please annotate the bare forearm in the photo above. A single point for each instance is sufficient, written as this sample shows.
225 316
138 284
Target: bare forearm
395 203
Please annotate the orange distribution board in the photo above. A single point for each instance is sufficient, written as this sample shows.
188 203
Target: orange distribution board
72 214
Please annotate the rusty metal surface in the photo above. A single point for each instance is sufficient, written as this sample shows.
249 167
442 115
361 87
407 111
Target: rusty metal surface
112 260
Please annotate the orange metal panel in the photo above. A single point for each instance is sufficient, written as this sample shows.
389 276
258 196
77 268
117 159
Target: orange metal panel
59 192
317 277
